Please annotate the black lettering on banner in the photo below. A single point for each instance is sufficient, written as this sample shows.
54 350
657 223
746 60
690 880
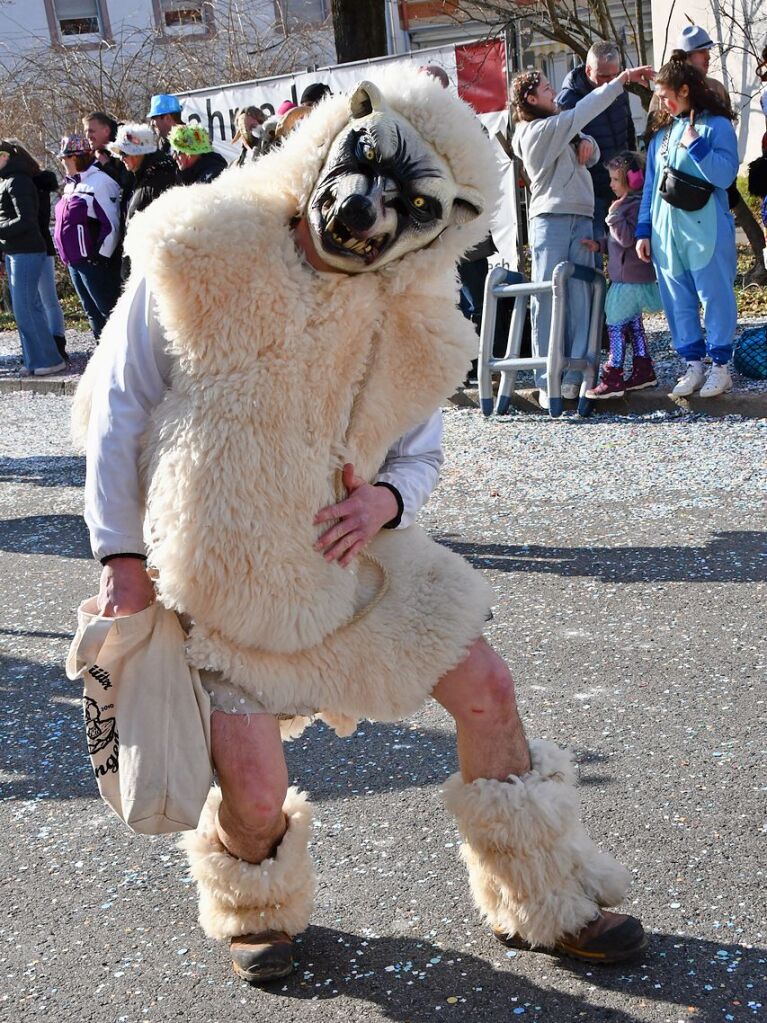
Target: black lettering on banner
232 118
194 119
268 109
215 115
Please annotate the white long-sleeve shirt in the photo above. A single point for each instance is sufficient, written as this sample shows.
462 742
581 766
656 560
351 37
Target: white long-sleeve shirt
139 376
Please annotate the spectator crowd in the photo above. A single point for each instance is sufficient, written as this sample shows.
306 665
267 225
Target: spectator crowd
662 209
111 172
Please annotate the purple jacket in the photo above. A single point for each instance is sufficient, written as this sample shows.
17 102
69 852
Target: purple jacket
87 217
623 264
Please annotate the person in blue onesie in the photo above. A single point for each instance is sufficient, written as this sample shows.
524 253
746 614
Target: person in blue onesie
693 252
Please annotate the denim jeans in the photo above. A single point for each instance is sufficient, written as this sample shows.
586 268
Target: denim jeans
49 297
38 348
601 208
97 283
554 238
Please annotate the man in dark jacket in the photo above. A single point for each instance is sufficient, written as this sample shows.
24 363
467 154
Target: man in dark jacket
152 172
191 149
613 129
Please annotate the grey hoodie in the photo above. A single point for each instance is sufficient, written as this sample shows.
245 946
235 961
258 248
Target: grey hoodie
558 183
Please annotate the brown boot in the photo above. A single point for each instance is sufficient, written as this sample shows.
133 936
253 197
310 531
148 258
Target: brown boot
611 938
259 958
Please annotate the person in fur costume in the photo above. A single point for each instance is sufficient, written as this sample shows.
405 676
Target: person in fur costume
271 469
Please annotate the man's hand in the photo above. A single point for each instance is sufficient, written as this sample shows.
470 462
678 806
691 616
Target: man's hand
643 249
590 244
125 588
364 512
584 151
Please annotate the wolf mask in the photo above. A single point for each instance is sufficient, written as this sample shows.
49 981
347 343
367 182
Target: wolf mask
383 190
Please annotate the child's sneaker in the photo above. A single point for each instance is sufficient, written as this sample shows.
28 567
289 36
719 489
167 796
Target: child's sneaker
717 382
642 374
611 384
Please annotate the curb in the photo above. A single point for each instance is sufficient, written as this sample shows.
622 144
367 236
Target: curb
40 385
749 404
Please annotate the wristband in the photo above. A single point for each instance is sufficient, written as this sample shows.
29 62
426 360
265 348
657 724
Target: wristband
393 523
111 557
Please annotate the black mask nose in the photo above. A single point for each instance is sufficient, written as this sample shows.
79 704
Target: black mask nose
357 213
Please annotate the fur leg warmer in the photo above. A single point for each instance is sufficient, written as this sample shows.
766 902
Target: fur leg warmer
237 897
533 870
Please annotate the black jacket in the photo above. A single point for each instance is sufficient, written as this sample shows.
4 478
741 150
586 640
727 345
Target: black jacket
208 167
612 130
19 211
156 174
46 184
117 171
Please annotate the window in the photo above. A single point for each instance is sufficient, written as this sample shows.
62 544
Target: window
182 12
291 14
78 18
184 17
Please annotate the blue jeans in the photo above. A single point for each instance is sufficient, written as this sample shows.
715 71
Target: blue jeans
38 348
554 238
49 297
601 207
97 283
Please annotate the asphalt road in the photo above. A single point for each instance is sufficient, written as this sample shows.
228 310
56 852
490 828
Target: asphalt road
629 565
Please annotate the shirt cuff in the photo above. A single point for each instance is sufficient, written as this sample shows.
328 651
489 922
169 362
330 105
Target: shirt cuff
699 148
393 523
643 231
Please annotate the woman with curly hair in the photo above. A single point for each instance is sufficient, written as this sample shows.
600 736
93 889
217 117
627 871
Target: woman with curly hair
685 225
556 158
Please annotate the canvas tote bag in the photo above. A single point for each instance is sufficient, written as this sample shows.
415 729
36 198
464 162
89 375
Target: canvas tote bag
147 717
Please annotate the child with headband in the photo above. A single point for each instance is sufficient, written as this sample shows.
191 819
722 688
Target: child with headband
633 287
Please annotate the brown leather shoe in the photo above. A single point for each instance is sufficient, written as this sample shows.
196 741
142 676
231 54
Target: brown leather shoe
259 958
624 940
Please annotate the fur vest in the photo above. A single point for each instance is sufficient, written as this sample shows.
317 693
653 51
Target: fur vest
280 375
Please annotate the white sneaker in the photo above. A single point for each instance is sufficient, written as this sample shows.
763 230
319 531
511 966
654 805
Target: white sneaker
543 399
571 391
46 371
717 382
691 381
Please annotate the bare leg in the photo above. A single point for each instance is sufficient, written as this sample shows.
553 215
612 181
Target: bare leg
479 694
248 755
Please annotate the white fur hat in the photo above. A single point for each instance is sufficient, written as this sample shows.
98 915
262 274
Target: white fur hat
133 140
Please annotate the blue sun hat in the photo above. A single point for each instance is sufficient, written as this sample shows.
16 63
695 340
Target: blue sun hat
163 103
692 38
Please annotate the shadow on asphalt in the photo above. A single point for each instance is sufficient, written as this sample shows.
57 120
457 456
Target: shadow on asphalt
63 536
389 758
44 470
739 556
680 968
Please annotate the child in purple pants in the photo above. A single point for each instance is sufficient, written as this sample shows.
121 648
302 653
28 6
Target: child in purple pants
633 287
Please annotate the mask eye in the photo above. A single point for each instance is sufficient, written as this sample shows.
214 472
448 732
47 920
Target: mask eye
369 153
419 202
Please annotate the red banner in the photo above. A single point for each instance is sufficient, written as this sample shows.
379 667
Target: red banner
481 71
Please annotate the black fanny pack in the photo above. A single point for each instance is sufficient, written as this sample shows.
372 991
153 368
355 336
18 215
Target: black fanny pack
679 189
684 191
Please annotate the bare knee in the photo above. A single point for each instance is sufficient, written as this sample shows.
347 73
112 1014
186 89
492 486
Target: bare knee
249 760
480 689
492 694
